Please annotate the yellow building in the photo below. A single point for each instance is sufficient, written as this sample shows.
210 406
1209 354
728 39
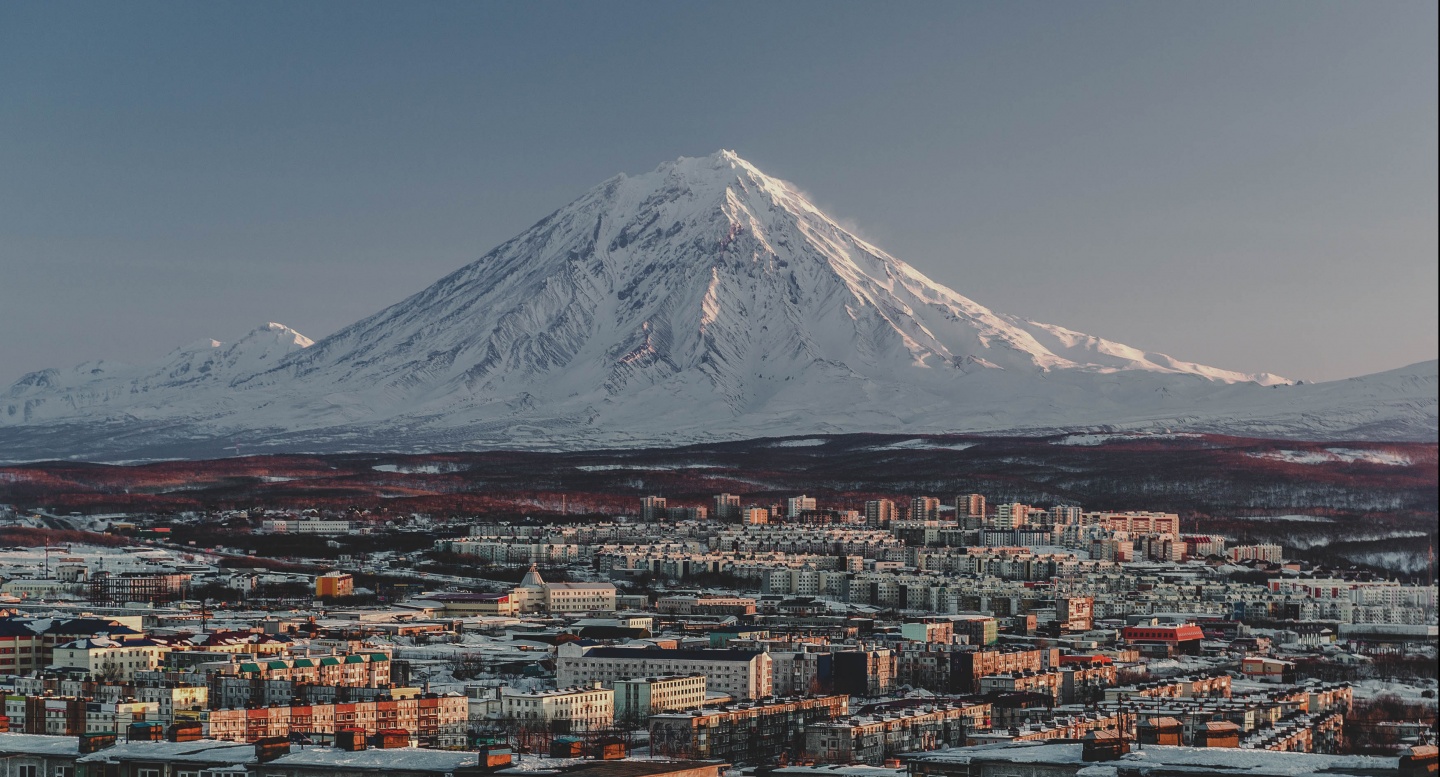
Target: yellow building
334 584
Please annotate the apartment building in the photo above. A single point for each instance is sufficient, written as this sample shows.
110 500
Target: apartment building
1029 681
874 739
705 605
972 665
22 649
435 720
744 674
637 698
727 507
879 513
109 659
743 734
924 508
587 708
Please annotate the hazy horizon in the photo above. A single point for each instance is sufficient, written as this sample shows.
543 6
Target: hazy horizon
1251 187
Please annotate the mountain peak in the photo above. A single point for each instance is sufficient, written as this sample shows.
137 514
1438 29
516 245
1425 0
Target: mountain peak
701 300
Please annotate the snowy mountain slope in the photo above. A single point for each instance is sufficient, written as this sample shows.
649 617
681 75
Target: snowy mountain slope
109 387
702 300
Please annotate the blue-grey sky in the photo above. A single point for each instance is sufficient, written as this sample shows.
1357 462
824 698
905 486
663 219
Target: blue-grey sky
1248 185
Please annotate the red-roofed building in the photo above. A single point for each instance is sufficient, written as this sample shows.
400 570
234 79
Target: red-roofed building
1165 640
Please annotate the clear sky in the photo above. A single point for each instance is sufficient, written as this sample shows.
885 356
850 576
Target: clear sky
1248 185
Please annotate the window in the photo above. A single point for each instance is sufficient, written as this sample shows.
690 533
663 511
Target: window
147 773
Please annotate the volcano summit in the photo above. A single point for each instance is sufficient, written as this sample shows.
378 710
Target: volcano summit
704 300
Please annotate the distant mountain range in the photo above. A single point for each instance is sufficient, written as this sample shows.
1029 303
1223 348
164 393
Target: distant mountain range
702 301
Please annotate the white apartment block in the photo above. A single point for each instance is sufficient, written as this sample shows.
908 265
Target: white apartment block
1012 515
304 526
741 673
638 698
585 708
104 657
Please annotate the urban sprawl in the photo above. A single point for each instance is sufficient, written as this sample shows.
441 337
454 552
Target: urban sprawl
914 636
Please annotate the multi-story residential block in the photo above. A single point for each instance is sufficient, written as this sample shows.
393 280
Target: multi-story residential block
586 708
801 672
434 720
727 507
305 525
974 664
705 605
879 513
755 516
1044 681
924 508
1011 515
929 630
743 674
864 671
332 584
1271 553
970 506
637 698
652 508
874 739
22 649
105 658
796 505
754 733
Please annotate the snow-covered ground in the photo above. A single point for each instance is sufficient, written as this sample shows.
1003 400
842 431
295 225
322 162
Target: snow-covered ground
701 301
1334 455
1287 518
1412 692
418 469
1101 439
923 445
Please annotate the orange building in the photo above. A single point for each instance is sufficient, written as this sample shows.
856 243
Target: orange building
334 584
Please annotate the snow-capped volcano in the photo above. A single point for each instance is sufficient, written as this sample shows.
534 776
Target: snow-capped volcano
702 300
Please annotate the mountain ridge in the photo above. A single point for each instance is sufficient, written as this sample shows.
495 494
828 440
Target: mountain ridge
702 300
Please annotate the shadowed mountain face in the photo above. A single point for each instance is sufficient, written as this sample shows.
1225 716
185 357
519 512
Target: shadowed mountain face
704 300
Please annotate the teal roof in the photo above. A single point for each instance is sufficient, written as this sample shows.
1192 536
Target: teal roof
330 661
249 667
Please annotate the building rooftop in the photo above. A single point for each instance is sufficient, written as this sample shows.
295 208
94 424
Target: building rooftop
38 744
1168 760
682 654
